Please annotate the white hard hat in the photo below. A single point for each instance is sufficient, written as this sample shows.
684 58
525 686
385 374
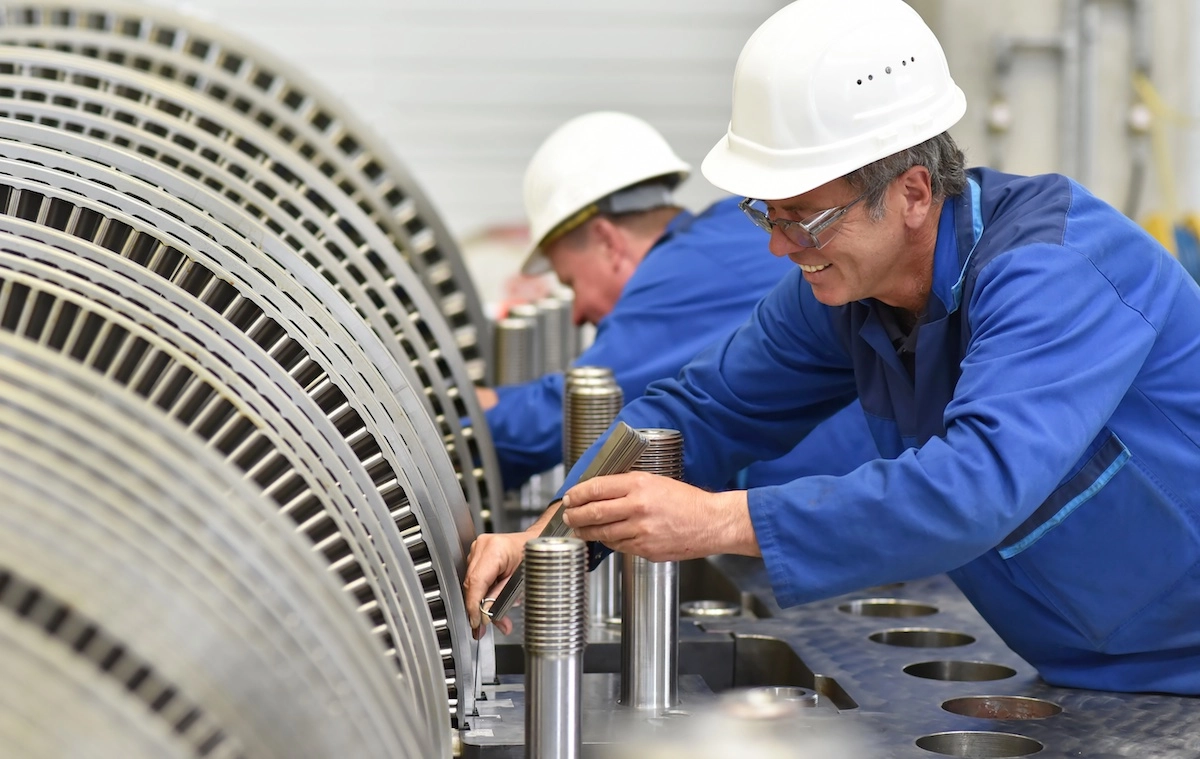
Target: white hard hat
824 88
578 171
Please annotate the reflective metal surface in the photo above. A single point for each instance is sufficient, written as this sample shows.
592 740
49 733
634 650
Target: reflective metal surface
888 696
186 220
899 690
1002 707
556 331
211 386
281 193
337 359
604 591
709 608
555 635
117 533
650 601
979 744
619 452
959 671
516 350
230 75
649 634
887 607
591 401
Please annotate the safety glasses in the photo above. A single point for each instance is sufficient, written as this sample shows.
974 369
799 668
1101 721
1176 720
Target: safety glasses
813 232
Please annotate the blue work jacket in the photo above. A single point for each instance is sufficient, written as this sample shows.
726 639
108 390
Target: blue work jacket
1046 455
697 283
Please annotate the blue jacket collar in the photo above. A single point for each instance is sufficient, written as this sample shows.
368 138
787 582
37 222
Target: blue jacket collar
677 224
959 230
681 221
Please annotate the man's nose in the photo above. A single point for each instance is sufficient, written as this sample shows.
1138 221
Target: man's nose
779 244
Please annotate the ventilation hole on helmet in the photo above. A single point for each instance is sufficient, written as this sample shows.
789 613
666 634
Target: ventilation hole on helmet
870 77
860 81
903 63
887 70
913 59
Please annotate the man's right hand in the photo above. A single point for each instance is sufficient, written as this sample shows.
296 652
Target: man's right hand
493 559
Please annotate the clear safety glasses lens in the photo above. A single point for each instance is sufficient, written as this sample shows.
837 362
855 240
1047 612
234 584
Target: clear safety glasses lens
813 232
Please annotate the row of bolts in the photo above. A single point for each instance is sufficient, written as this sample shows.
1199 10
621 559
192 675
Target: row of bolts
533 340
642 596
556 614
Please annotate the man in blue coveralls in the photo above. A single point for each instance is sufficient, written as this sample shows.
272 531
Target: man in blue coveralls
659 283
1026 356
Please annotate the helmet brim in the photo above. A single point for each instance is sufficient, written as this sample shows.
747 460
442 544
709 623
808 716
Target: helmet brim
535 263
753 171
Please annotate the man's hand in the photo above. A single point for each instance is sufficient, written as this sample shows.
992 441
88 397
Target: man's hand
487 398
493 559
659 518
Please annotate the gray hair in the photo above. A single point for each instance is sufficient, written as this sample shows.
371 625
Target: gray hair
940 154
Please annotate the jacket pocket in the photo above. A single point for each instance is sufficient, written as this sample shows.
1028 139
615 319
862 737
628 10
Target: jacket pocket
1108 543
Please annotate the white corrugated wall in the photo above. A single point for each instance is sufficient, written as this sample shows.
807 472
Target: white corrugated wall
465 90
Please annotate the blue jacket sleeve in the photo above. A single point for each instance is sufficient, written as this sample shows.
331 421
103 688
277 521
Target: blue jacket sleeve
733 404
526 428
693 288
1041 376
660 323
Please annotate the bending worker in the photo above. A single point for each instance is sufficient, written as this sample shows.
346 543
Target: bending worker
659 283
1026 356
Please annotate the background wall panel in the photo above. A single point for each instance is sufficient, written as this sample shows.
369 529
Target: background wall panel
465 90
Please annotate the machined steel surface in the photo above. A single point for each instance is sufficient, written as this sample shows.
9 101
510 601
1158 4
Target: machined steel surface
498 730
619 452
901 691
649 634
604 592
104 716
650 600
278 192
346 365
968 698
211 384
120 531
555 634
557 331
535 361
516 350
235 76
591 401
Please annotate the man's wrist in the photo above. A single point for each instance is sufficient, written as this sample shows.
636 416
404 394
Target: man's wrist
737 535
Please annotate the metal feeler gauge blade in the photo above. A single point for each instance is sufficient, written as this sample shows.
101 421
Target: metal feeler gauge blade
620 450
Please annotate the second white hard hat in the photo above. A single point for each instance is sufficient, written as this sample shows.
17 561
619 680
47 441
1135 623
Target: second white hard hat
587 160
824 88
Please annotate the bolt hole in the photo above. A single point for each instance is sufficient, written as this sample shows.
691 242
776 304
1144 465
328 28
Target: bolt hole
920 637
1002 707
979 745
887 607
959 671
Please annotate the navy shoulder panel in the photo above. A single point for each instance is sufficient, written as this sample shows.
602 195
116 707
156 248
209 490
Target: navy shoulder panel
1029 209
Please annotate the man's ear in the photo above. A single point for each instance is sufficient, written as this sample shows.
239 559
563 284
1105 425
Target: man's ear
612 241
915 190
